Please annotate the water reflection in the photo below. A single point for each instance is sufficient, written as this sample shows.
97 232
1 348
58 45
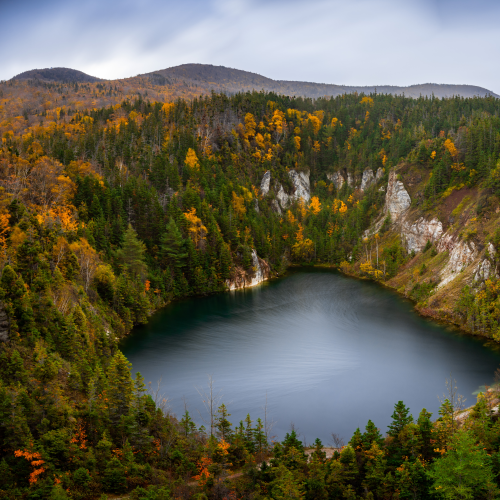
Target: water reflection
329 351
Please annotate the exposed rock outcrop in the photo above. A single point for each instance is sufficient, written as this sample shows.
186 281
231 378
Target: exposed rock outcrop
350 180
397 203
462 254
301 184
483 270
256 205
420 232
368 179
397 199
276 207
4 324
301 188
265 184
282 197
337 179
244 279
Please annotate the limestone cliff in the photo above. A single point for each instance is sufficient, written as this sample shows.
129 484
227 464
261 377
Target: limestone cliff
418 233
301 188
397 203
337 179
259 272
265 184
397 199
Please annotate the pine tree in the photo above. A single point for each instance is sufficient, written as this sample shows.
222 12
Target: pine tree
131 254
173 246
121 387
357 440
371 435
222 423
400 417
425 432
397 447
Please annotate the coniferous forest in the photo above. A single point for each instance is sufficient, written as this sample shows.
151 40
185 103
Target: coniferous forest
108 214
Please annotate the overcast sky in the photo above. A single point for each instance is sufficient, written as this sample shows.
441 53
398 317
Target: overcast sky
352 42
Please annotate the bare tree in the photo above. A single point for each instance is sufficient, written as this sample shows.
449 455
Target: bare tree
268 424
211 400
160 399
456 401
338 441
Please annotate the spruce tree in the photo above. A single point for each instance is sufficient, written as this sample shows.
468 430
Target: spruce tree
173 246
371 435
131 254
121 387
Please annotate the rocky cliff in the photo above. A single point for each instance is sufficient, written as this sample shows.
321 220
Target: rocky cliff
368 179
259 272
418 233
397 200
446 246
301 189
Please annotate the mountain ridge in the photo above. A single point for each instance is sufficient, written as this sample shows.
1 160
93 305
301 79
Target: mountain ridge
230 80
235 80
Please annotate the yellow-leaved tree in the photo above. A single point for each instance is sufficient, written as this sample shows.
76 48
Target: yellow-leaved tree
303 249
250 125
192 160
315 205
238 204
196 228
448 144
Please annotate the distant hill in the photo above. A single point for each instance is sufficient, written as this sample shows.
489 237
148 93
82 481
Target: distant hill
234 80
64 75
203 78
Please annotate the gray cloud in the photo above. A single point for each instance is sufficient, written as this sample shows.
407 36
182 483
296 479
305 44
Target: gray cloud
355 42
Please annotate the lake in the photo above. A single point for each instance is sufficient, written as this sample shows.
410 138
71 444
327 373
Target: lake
329 351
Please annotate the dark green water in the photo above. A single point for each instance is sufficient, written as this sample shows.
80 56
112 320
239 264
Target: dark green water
329 351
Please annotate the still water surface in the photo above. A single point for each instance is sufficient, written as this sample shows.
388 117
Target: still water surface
329 351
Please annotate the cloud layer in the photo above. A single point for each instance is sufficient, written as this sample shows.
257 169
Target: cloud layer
355 42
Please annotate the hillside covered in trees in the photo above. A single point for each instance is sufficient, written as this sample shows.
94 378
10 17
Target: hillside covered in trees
109 212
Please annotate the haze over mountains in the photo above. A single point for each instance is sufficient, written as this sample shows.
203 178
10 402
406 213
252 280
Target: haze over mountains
222 79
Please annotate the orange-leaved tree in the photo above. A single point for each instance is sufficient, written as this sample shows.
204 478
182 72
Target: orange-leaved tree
35 460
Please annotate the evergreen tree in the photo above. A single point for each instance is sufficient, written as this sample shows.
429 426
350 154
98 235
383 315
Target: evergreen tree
121 387
371 435
222 423
173 246
131 254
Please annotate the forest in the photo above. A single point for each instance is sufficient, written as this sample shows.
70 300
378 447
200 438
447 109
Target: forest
108 213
